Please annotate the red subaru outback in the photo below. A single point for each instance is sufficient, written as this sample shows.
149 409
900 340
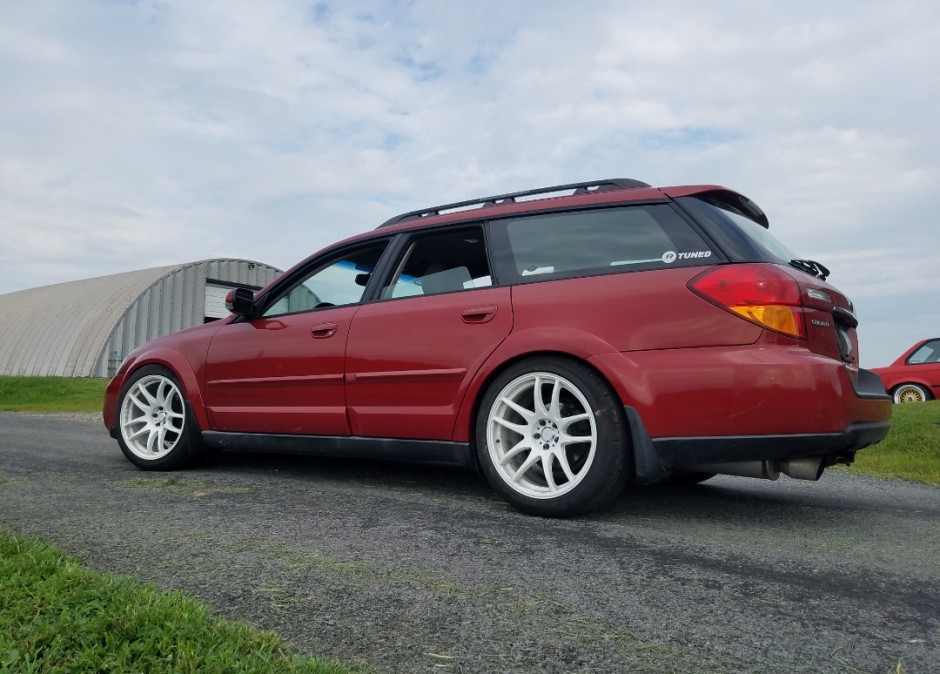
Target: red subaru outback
565 341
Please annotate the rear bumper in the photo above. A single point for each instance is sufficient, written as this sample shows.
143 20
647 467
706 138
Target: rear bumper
711 406
676 453
656 459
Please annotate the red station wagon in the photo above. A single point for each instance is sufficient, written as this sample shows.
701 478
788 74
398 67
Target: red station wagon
915 376
564 341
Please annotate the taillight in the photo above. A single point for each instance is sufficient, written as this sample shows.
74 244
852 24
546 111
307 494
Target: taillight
761 293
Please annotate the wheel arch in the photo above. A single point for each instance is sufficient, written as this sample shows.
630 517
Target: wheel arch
569 343
184 373
465 424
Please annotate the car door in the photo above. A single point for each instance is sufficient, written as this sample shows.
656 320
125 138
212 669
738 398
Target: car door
411 355
282 370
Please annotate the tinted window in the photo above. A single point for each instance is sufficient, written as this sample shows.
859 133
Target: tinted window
336 281
601 241
928 353
441 262
739 236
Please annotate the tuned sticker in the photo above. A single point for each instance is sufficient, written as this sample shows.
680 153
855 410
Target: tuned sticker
671 256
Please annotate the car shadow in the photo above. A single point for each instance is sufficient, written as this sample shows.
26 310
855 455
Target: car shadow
723 499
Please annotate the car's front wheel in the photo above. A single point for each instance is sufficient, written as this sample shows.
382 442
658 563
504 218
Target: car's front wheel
156 431
910 393
552 438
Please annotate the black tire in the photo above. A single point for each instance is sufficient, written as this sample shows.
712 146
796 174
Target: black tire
156 429
687 478
531 453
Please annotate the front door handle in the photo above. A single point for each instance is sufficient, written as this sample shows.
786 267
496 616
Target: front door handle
323 330
478 314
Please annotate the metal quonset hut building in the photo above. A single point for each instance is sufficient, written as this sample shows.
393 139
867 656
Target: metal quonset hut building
86 328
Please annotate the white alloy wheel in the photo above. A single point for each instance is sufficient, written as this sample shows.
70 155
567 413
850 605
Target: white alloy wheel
153 417
541 435
909 393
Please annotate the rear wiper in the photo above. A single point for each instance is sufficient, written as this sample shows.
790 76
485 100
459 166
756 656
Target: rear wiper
811 267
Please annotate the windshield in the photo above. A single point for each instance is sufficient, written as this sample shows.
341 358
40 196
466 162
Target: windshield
761 236
742 238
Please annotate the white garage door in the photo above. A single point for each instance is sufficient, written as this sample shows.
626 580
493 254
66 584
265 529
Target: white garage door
215 301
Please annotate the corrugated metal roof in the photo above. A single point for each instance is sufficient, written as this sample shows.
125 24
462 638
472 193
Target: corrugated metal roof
61 330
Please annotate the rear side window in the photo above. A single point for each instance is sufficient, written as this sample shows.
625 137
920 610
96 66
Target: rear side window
928 353
441 262
601 241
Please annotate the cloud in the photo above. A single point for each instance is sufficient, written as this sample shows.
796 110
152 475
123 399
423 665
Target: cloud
136 134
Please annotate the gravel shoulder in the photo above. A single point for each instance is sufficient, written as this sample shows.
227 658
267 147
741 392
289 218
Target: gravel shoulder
416 569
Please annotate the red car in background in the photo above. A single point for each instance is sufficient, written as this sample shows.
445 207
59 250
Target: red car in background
915 376
564 341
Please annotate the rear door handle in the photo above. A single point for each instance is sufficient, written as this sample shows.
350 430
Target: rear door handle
478 314
323 330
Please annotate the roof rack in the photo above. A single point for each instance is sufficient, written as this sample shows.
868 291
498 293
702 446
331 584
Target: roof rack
513 197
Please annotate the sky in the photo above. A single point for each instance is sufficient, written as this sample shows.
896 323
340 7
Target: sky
137 134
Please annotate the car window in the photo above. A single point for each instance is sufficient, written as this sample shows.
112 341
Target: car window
601 241
441 262
740 236
337 281
928 353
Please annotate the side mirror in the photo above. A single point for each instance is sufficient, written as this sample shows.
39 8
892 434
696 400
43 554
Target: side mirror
240 301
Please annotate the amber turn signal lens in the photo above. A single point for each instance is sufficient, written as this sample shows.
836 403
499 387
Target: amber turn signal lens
773 316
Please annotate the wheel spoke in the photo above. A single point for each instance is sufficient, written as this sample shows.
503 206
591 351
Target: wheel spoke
565 422
147 395
142 406
516 428
151 441
547 469
137 434
528 415
530 461
161 393
554 409
540 408
520 447
562 458
564 439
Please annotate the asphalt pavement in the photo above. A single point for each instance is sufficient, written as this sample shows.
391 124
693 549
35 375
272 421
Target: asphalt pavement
409 568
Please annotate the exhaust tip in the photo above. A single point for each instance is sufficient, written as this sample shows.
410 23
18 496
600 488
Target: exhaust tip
803 469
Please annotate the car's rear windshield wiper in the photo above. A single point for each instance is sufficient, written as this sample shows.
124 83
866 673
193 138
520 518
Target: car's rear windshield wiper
811 267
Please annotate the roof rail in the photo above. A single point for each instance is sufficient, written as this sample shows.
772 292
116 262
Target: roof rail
512 197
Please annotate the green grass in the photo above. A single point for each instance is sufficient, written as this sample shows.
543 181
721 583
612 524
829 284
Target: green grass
51 394
912 449
58 616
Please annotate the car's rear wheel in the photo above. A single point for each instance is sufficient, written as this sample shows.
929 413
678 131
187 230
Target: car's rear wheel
910 393
156 429
552 438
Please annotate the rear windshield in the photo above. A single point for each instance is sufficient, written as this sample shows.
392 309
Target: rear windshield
741 237
600 241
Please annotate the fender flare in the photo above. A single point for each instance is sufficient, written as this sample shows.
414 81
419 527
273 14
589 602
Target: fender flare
184 373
